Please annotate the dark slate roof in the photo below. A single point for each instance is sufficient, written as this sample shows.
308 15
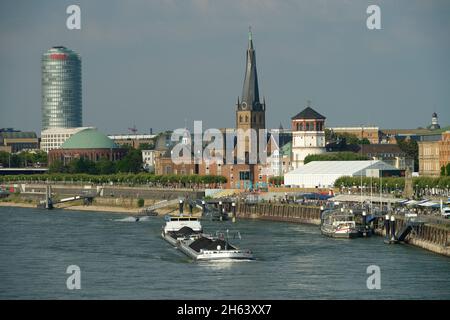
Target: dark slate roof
382 148
308 113
250 90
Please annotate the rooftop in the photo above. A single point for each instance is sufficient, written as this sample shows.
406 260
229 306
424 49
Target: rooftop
89 139
308 113
381 148
64 130
342 168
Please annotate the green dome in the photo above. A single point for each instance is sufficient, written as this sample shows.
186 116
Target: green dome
89 139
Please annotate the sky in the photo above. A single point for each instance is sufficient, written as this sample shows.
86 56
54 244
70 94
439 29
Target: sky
162 64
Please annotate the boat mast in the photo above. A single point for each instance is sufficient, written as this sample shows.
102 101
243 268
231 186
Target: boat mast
381 191
371 190
361 146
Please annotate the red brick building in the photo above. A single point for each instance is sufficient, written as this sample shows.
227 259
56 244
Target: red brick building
87 144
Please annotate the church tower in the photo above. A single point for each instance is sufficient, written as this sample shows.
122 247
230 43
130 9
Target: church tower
250 112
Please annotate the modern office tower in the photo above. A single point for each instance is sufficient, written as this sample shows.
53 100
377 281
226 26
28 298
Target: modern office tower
61 89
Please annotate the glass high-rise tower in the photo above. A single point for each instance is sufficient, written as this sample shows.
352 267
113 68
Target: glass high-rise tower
61 89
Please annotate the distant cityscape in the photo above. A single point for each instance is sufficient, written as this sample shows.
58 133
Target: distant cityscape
174 155
63 139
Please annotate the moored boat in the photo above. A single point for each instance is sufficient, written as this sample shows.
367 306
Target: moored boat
339 224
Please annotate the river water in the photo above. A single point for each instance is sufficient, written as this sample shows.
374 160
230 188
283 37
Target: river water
123 259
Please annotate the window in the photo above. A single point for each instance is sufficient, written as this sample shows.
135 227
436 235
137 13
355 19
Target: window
244 175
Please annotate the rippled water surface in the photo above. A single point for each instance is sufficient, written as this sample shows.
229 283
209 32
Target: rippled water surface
123 259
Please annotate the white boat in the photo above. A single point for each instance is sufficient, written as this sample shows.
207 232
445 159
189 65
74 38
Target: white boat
338 224
185 232
180 227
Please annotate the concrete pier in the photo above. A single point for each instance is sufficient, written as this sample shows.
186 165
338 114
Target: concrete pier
429 237
434 238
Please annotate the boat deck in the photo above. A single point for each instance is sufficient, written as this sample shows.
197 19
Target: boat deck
210 244
182 233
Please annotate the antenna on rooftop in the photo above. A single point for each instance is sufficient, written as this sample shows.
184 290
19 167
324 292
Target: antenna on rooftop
133 130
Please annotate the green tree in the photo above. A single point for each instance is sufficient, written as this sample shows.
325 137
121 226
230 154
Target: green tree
132 162
4 159
57 166
105 166
364 141
330 136
146 146
277 180
39 157
335 156
82 165
411 148
445 170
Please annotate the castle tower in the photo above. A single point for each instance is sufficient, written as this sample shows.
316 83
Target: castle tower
308 135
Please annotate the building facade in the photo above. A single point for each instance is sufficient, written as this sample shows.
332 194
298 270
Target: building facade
444 149
61 89
388 153
373 134
430 154
308 135
54 138
429 158
148 159
434 153
88 144
16 141
133 140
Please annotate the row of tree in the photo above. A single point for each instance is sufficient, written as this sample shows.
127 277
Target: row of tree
445 170
335 156
23 159
277 180
346 138
140 178
131 163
